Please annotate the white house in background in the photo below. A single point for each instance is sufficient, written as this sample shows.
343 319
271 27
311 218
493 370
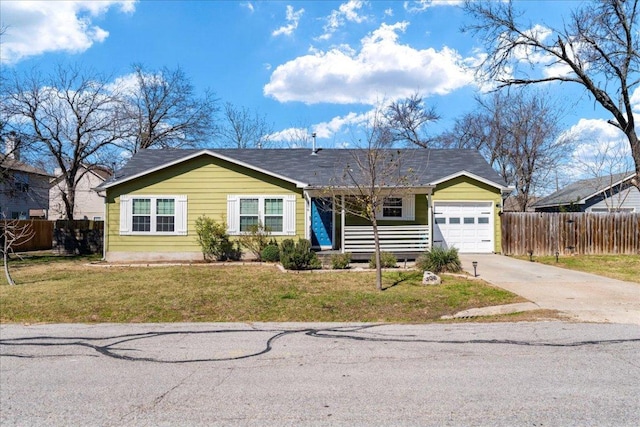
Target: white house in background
88 204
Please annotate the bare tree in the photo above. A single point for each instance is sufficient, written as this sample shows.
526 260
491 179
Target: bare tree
244 129
408 119
597 48
13 234
71 113
163 111
374 172
519 135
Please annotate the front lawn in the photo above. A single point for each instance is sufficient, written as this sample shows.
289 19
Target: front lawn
71 291
622 267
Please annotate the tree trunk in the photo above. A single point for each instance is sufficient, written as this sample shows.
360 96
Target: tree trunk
635 154
376 244
5 254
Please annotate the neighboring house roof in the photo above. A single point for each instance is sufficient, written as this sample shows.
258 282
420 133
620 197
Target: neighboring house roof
15 165
581 191
99 171
303 169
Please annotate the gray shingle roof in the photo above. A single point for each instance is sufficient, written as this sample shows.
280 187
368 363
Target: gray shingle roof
323 169
15 165
581 190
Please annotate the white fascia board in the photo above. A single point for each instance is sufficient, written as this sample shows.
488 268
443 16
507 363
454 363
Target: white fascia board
473 176
558 204
211 153
347 190
608 187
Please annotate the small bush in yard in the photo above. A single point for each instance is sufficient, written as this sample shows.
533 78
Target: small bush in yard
387 259
440 260
271 253
340 261
214 240
298 256
255 239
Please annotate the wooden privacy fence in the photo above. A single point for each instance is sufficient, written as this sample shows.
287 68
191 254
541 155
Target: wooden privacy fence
42 238
570 233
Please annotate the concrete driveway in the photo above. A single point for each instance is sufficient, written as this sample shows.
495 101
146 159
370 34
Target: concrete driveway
582 296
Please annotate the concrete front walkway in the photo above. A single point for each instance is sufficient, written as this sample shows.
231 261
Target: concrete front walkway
582 296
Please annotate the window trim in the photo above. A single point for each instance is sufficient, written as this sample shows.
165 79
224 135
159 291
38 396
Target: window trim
288 212
408 209
180 215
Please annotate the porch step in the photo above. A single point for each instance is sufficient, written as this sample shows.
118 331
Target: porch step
325 256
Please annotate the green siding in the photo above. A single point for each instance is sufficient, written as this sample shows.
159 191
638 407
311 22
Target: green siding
463 189
206 181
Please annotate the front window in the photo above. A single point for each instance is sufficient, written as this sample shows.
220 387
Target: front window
165 215
141 211
266 211
396 208
392 207
249 214
153 215
275 213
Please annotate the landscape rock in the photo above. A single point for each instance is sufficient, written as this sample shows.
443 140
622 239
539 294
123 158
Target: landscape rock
429 278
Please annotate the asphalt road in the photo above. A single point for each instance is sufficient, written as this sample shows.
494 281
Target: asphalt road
503 374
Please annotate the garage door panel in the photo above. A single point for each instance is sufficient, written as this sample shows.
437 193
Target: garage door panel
467 226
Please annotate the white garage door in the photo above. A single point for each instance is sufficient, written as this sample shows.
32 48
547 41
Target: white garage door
467 226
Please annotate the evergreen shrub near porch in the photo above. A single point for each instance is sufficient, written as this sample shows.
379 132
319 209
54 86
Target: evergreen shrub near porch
298 256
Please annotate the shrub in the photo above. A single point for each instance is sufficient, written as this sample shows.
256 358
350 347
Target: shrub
440 260
213 239
298 256
340 261
387 259
271 253
255 239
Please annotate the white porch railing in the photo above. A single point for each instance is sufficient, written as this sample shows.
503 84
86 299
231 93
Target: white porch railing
393 238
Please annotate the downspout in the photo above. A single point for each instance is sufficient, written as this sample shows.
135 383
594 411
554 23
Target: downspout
343 221
105 234
430 218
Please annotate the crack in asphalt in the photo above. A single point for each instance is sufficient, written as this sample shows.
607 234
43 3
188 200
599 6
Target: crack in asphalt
112 349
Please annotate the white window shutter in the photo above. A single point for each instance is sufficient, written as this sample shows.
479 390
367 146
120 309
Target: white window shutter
181 215
233 215
125 214
409 207
289 219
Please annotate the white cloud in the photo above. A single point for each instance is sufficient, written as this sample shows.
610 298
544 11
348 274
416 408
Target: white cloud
338 124
347 12
383 68
422 5
293 18
36 27
249 6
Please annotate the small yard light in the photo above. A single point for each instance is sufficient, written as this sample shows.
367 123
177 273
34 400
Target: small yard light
557 256
531 255
475 268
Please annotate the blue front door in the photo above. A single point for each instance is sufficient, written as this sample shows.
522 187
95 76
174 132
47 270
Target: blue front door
321 223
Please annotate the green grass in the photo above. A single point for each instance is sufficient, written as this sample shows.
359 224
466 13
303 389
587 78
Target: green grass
622 267
71 291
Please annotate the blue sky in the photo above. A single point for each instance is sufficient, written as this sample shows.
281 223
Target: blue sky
315 66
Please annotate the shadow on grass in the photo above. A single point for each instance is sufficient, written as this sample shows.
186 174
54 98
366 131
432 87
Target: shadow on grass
24 259
403 277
